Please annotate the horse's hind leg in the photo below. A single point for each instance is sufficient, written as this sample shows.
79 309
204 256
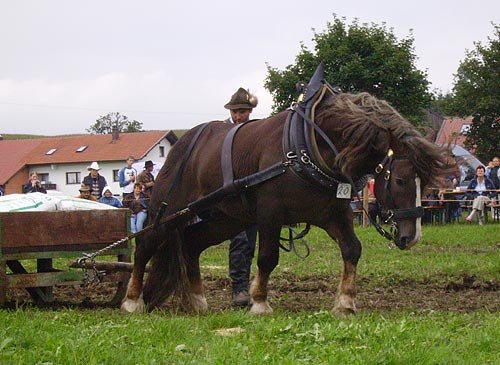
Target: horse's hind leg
145 247
267 260
343 232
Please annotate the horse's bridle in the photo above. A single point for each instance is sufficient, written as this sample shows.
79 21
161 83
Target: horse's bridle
402 213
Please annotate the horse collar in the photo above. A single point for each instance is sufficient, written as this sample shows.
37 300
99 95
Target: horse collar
301 150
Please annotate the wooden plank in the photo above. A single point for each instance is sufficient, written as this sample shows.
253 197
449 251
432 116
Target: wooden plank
8 255
3 281
44 230
39 280
45 265
36 293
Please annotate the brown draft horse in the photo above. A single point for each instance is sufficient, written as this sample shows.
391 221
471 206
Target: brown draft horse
363 128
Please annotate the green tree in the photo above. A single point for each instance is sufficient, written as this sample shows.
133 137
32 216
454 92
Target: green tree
358 57
477 92
443 103
106 123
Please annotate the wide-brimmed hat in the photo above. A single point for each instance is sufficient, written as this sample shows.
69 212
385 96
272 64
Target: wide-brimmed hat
148 164
242 99
84 188
94 166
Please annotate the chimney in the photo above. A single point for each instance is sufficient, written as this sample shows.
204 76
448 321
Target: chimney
115 134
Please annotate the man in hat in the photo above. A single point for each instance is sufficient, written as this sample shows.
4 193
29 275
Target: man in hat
242 246
85 193
94 180
146 178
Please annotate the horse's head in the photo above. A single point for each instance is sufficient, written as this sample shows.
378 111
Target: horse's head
365 129
398 190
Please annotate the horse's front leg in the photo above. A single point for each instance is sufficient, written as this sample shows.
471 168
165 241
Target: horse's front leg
267 260
350 247
133 301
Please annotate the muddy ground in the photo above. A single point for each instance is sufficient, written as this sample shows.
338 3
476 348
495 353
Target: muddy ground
313 293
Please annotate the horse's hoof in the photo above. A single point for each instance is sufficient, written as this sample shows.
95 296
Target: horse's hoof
133 306
344 306
199 303
261 308
343 312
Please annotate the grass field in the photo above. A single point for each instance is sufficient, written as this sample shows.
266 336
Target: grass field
438 303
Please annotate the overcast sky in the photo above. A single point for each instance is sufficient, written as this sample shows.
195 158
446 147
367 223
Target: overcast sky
174 64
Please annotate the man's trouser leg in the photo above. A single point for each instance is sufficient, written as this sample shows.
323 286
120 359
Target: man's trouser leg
241 252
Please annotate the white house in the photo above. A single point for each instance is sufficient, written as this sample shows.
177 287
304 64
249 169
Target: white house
61 162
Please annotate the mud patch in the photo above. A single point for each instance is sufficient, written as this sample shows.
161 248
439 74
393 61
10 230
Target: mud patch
314 293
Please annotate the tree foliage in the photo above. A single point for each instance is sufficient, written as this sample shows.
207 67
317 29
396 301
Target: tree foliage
106 123
443 103
477 92
358 57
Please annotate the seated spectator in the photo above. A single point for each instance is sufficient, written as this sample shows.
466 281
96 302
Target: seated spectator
109 199
33 185
137 202
481 190
85 193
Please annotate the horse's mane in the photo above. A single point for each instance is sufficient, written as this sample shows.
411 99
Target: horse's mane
369 125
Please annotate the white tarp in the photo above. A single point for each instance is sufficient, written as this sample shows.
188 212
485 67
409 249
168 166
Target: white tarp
43 202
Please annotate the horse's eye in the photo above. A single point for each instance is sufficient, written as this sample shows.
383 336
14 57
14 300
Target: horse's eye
400 182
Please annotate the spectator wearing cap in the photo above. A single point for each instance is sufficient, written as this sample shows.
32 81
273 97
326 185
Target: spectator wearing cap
85 193
242 246
109 199
94 180
127 176
146 178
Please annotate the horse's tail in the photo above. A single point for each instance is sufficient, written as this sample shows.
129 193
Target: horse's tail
168 274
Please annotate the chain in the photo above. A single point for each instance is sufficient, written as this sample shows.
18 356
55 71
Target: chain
94 275
306 160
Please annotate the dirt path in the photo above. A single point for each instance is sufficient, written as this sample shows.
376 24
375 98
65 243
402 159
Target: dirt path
287 292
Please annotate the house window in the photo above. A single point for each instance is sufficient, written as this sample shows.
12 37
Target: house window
81 149
465 128
51 151
162 151
73 178
115 176
44 178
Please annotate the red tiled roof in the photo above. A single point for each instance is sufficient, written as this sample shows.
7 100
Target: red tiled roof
451 129
99 148
12 153
19 153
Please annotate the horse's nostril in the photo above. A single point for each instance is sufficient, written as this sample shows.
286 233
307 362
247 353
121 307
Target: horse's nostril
403 242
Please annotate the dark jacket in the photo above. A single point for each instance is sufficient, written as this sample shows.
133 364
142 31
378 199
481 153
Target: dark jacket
134 205
87 180
28 188
472 194
494 176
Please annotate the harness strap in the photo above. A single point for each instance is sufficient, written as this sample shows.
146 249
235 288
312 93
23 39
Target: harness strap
236 187
406 213
226 157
